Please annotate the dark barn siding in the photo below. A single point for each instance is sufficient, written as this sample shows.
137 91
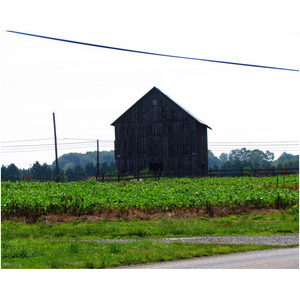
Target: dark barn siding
156 133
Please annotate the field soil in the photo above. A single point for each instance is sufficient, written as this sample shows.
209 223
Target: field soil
134 214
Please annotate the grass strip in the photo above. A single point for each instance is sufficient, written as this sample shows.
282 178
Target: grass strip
273 223
36 254
60 246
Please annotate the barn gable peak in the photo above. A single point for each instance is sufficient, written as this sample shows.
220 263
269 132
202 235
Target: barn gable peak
156 92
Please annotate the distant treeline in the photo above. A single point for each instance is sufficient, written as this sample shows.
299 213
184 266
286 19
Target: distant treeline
75 166
253 159
72 166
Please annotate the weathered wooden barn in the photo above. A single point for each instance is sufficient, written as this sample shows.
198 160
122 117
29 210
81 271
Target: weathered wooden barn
156 133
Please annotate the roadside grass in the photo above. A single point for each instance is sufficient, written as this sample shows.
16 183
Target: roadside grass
36 254
62 245
264 224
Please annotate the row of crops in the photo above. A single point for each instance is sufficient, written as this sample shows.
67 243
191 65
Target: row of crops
39 198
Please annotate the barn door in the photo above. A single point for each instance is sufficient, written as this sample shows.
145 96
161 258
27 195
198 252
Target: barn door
156 166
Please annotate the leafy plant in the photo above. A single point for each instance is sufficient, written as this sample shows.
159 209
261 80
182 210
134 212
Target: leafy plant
34 200
294 209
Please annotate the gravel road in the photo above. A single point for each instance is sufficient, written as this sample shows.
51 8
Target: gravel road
276 240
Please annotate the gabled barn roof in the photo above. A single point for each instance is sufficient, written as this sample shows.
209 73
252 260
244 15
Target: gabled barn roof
155 88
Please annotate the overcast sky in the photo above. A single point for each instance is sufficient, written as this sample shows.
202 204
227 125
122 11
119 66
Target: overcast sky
88 88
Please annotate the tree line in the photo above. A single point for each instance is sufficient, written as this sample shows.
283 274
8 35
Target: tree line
46 172
253 159
77 166
72 166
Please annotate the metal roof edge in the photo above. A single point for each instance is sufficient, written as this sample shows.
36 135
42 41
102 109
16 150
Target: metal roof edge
188 112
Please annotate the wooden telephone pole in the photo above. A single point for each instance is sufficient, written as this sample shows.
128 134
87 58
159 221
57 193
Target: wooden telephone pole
56 158
98 172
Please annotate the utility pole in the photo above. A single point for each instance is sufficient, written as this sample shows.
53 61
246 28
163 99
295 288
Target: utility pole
98 172
56 158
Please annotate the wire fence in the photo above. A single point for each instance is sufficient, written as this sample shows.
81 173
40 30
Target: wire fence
156 175
196 174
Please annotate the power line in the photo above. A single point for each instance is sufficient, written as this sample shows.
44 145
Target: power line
61 139
269 142
79 144
77 139
26 140
43 145
149 53
213 147
47 149
255 144
89 141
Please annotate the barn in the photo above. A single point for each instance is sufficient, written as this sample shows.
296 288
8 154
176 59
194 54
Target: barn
158 134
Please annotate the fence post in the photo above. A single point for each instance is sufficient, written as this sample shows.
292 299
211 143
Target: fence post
103 174
273 171
210 175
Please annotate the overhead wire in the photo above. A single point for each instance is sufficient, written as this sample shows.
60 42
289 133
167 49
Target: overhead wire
150 53
216 146
79 144
274 146
26 140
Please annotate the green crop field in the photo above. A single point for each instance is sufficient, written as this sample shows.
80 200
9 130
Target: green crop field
58 225
37 199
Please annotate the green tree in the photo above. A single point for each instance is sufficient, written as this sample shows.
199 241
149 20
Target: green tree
12 172
71 159
70 174
104 168
46 172
213 160
285 157
241 155
112 167
287 160
79 172
269 156
226 166
3 172
68 165
90 169
224 157
258 158
36 170
239 158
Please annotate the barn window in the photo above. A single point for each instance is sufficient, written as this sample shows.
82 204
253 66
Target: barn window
154 101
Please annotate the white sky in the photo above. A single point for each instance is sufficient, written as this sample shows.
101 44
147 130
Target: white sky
88 88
